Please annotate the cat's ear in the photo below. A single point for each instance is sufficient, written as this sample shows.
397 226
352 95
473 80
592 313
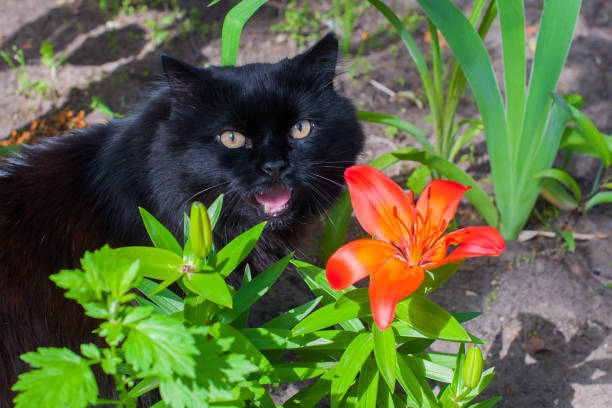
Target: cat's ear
183 79
321 59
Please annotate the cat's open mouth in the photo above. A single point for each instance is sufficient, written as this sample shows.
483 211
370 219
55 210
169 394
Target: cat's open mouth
274 201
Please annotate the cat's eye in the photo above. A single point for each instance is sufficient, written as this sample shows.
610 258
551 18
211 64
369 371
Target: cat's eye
232 139
301 129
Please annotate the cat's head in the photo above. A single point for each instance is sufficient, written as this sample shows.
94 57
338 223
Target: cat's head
275 138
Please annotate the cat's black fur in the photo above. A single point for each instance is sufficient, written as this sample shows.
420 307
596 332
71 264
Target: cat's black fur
76 193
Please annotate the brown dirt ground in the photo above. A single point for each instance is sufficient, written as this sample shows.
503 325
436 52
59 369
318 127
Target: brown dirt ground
546 315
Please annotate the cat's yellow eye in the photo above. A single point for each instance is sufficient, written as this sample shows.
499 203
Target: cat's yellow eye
232 139
301 129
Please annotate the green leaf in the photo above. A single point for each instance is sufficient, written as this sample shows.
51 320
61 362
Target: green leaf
418 179
211 286
332 314
281 339
430 319
411 376
486 404
310 396
214 210
599 198
398 123
232 28
574 140
463 317
385 354
431 367
367 387
228 258
350 365
414 52
302 370
292 317
106 278
317 282
240 344
252 291
61 378
563 177
166 301
160 236
512 21
155 263
160 345
9 150
553 192
434 278
588 130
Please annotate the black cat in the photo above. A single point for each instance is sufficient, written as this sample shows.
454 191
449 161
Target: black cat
274 138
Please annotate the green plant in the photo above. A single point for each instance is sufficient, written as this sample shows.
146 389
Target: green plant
97 104
197 350
49 59
25 84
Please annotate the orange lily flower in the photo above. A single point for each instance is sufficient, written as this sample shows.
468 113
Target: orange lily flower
409 239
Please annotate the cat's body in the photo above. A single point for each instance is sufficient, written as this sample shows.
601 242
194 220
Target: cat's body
274 138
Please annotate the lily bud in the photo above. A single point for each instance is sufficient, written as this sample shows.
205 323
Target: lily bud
200 232
472 370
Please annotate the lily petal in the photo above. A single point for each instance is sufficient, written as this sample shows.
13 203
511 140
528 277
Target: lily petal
471 242
438 202
381 206
388 285
357 260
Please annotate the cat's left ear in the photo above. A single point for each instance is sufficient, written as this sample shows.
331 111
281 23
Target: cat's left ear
183 79
321 59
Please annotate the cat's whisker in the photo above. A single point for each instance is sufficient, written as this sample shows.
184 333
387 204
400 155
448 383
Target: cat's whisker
327 179
202 192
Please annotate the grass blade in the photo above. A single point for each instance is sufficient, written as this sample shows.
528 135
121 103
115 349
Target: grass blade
232 28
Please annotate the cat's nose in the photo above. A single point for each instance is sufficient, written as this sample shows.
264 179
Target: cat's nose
273 168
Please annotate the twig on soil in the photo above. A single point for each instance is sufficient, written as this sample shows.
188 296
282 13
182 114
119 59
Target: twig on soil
526 235
383 88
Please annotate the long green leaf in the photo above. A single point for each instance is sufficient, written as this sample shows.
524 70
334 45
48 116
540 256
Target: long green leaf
349 366
292 317
428 318
367 387
413 49
232 28
160 236
211 286
231 255
563 177
554 38
588 130
252 291
317 282
471 54
155 263
412 379
599 198
396 122
385 354
512 22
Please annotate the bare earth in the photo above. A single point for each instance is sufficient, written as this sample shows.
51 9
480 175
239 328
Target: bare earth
546 314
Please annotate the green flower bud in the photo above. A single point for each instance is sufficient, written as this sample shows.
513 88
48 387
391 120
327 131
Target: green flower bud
472 370
200 232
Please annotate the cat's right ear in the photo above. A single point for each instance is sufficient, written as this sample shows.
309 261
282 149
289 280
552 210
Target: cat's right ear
183 79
